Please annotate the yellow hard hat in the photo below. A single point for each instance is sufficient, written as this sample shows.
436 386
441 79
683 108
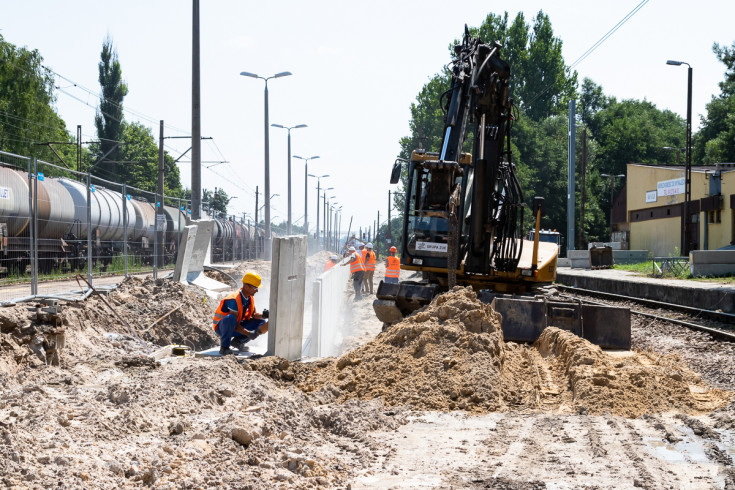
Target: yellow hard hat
251 278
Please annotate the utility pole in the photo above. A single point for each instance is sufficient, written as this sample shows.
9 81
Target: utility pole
581 239
196 121
318 189
256 221
79 147
390 236
160 218
325 218
377 238
570 177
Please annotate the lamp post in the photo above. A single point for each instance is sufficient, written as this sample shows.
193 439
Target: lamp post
612 189
688 179
306 192
289 167
267 155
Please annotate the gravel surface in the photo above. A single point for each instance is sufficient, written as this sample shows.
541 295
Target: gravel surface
438 401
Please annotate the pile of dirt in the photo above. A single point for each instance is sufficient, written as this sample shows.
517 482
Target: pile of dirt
159 311
450 355
630 386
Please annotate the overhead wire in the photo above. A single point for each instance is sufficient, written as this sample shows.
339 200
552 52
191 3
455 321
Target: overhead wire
589 51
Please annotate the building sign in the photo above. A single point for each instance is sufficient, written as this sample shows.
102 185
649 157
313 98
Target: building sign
671 187
650 196
431 247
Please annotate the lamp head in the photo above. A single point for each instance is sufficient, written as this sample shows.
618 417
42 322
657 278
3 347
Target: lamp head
248 74
278 126
300 126
282 74
673 62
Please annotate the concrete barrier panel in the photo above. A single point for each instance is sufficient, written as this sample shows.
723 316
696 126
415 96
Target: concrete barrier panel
288 280
186 246
580 259
327 331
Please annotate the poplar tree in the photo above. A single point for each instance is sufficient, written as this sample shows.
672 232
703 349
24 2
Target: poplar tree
109 117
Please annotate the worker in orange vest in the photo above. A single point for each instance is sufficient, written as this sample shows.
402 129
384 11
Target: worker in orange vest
333 260
362 251
369 268
357 269
235 321
392 267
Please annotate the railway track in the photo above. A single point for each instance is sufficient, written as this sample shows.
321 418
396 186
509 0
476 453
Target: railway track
716 318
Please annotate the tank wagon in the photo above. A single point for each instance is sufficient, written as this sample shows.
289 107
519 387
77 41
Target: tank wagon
62 226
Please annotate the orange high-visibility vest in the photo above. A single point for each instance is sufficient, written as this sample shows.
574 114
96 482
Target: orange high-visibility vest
364 253
394 266
370 261
328 265
241 313
356 265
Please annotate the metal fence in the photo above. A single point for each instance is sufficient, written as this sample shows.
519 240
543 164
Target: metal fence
56 223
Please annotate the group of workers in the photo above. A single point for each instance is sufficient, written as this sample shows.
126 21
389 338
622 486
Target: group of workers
362 267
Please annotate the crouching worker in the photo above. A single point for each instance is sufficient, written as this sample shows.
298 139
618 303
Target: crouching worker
236 322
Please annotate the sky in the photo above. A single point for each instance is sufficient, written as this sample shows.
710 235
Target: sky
357 67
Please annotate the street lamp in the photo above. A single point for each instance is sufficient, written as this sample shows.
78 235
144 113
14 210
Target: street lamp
612 188
289 167
306 192
267 154
688 180
318 184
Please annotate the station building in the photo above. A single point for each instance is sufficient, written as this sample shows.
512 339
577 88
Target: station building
649 212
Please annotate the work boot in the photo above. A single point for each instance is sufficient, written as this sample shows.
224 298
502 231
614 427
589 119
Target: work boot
241 346
224 351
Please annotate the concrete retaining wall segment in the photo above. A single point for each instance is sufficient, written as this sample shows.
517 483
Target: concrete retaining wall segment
328 300
288 280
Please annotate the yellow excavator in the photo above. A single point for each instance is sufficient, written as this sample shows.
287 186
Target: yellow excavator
463 217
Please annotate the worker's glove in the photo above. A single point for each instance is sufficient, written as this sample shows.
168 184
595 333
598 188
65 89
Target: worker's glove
265 313
253 335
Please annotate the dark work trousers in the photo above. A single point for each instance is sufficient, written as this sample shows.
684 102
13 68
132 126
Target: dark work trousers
357 282
226 330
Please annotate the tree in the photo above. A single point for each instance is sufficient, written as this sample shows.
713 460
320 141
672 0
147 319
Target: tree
109 117
27 115
216 202
715 142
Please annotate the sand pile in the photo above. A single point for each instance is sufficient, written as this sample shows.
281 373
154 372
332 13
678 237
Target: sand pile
630 386
449 355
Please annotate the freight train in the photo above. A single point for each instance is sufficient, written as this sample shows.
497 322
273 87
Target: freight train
62 226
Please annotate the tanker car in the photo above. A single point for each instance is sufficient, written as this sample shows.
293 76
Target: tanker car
62 226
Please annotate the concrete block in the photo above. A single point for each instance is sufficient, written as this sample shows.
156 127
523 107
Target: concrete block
711 269
288 279
712 257
186 246
563 262
202 241
580 259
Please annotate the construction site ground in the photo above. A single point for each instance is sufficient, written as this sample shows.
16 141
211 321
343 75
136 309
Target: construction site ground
436 401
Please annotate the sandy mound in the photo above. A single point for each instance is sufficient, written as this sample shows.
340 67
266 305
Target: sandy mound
629 386
451 355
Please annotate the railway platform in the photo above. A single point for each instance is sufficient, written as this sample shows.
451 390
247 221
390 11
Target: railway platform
709 294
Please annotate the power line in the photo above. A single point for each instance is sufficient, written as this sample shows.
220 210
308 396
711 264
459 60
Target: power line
595 46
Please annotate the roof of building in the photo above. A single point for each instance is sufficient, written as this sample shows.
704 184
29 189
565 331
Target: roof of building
724 167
